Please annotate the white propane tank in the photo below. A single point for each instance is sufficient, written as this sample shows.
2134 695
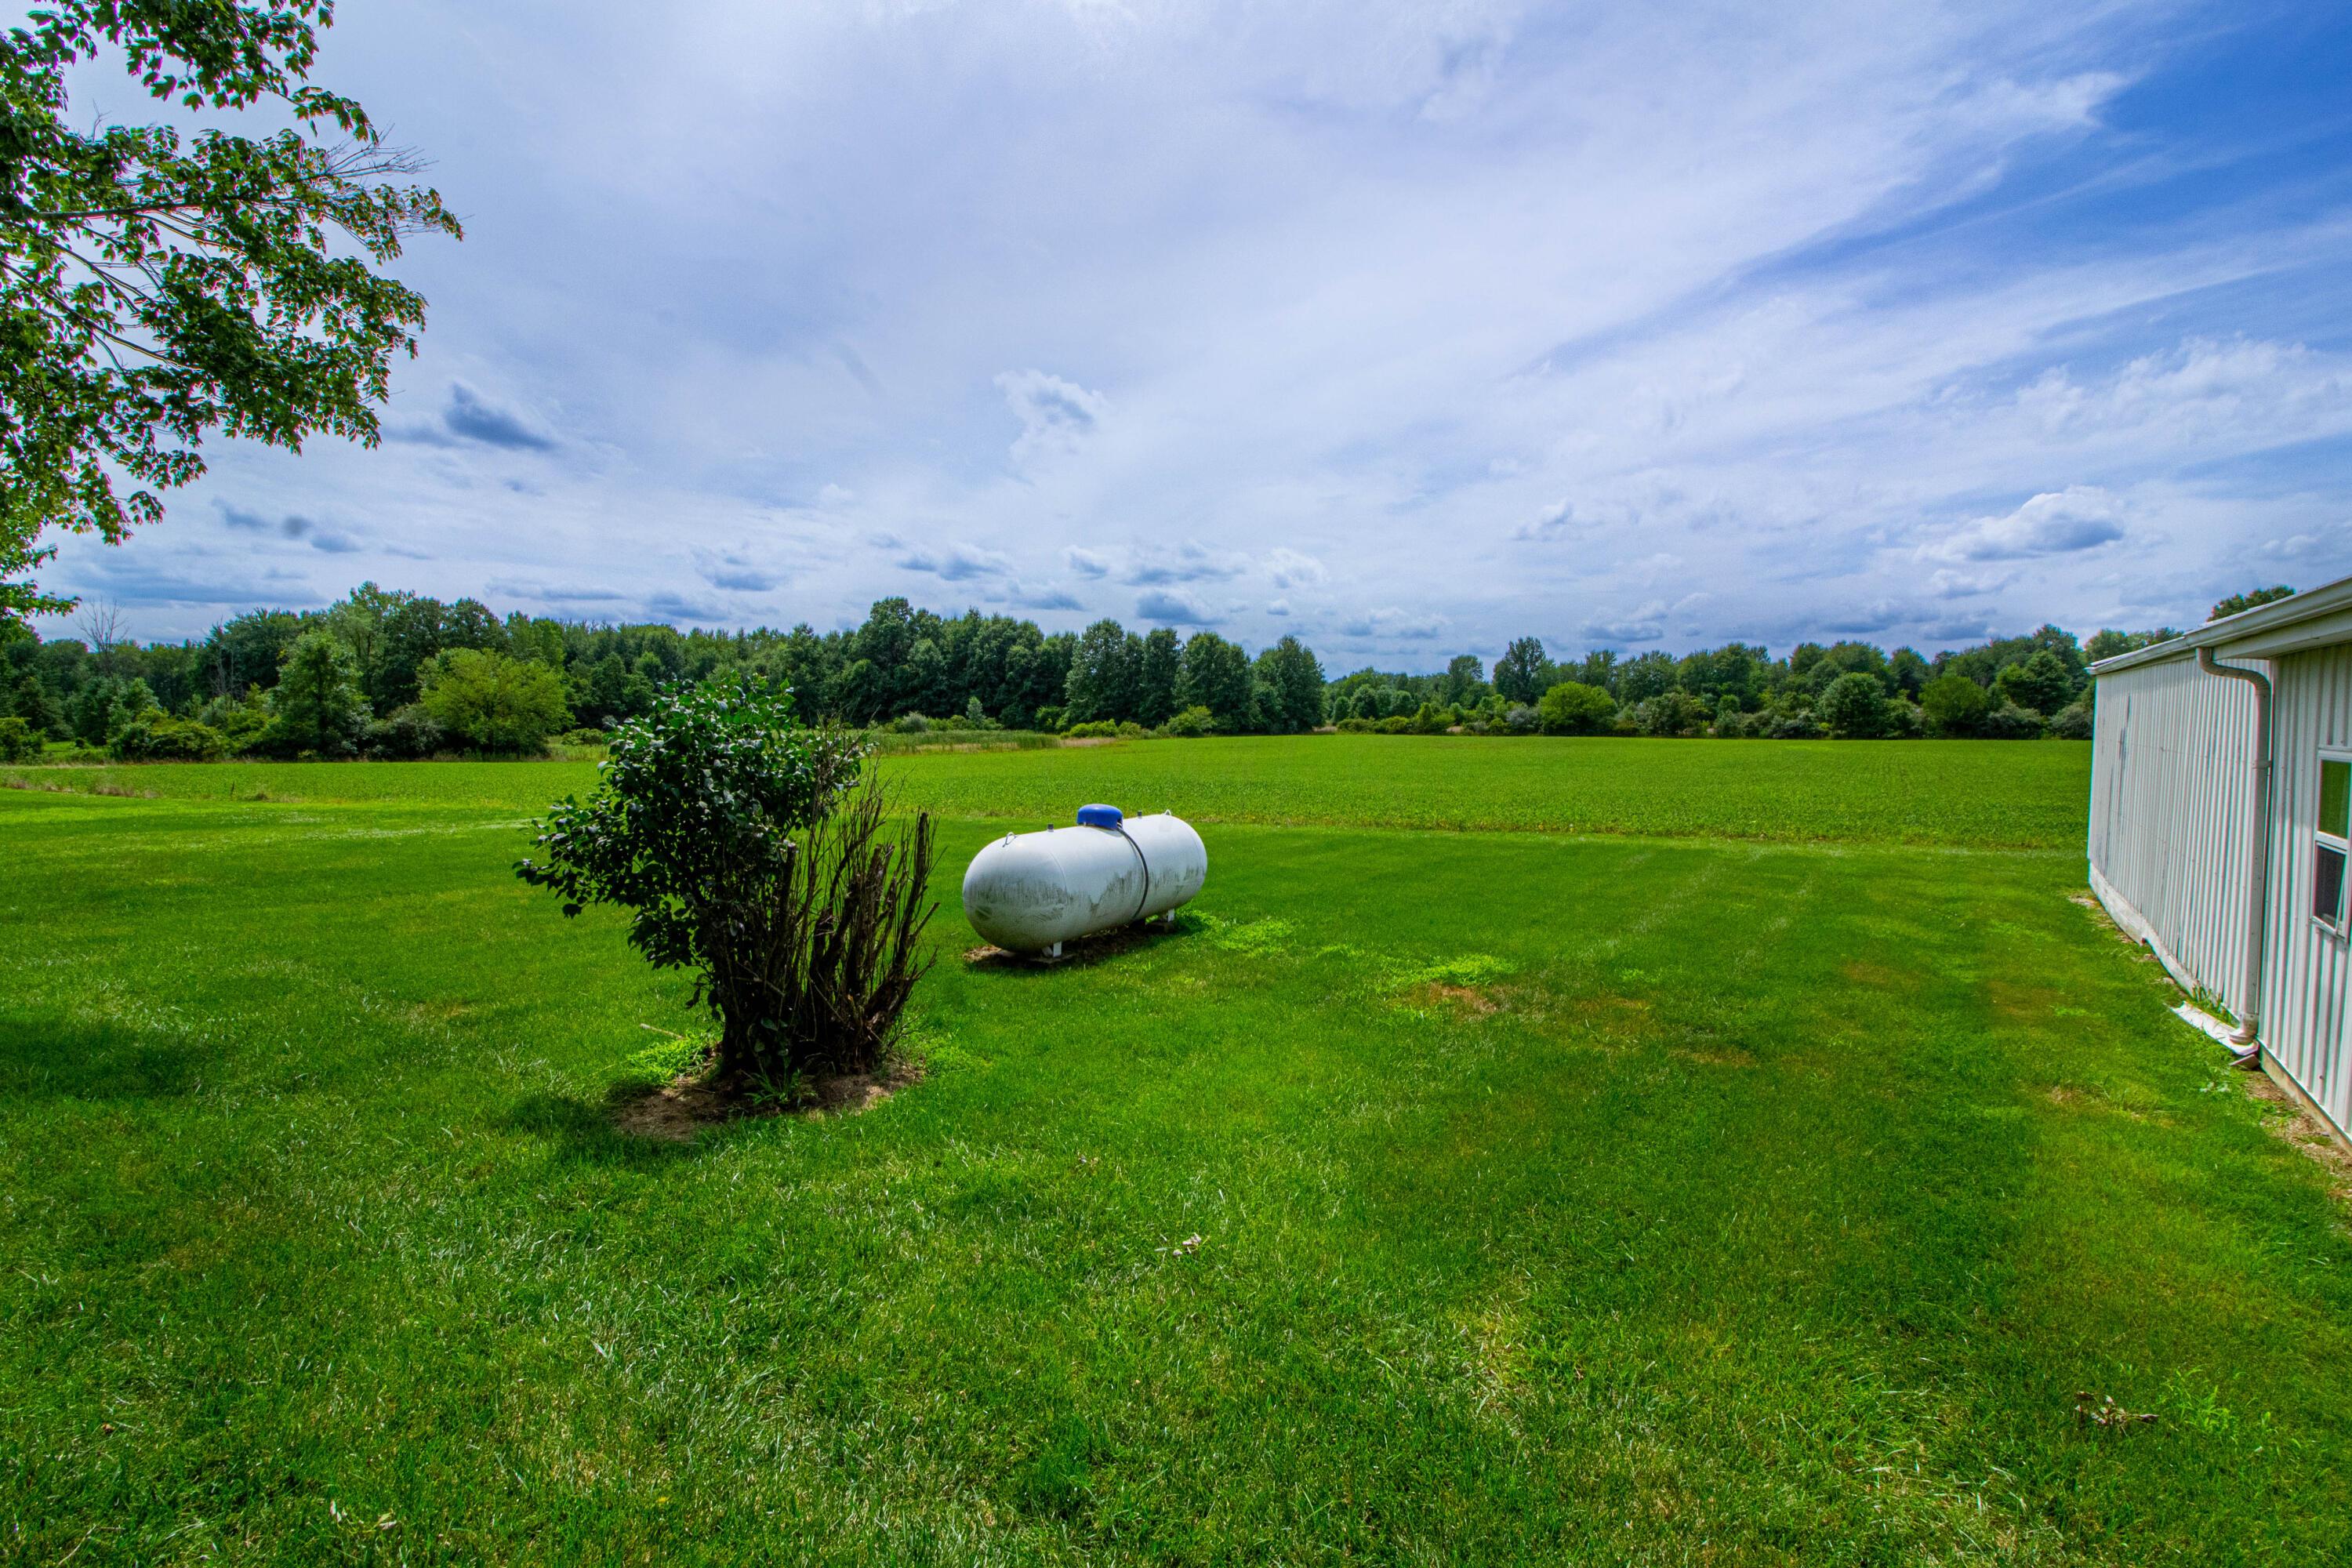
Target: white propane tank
1031 893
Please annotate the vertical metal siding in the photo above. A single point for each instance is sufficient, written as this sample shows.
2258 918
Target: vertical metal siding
2171 816
2308 972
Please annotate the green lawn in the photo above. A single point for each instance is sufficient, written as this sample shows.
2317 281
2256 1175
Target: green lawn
1571 1198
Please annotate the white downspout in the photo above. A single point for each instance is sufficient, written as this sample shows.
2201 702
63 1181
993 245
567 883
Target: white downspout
2258 868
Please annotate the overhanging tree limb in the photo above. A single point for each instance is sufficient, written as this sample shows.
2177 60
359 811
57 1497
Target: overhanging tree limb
209 261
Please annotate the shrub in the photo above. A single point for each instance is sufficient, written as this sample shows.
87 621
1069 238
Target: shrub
912 724
754 851
1357 726
2011 722
1800 725
410 734
491 701
1671 714
19 742
156 737
588 735
242 723
1103 729
1953 705
2074 721
1521 719
1854 707
1190 723
1573 708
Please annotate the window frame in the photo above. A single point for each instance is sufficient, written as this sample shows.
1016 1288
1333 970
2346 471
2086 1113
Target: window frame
2340 843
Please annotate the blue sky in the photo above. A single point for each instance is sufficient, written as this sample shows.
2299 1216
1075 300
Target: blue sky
1408 329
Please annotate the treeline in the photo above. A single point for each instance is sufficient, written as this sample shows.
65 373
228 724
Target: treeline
2010 689
395 674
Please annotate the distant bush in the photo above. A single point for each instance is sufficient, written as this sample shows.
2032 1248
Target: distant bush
588 736
1104 730
1521 719
2074 721
2011 722
1952 705
1797 726
1573 708
1854 707
1190 723
912 724
156 737
493 702
409 733
1671 714
19 742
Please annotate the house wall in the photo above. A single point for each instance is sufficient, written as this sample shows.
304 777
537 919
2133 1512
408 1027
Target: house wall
2171 817
2307 970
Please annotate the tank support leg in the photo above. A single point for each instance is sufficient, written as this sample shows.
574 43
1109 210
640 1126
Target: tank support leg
1054 950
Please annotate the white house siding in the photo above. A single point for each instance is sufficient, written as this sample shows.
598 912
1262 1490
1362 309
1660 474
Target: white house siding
2171 821
2307 971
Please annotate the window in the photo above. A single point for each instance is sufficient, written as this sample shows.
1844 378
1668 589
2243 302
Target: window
2334 842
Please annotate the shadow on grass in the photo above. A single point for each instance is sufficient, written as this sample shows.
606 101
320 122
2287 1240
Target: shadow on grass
62 1058
587 1133
1083 951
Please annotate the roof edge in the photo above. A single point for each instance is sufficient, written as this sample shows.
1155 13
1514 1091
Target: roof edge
2262 621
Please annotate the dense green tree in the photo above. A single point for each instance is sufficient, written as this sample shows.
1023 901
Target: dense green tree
1155 675
1910 671
1519 673
1294 680
2042 682
245 651
1104 672
492 702
29 700
1573 708
317 706
1215 676
158 285
1645 676
1854 706
2238 603
1953 704
2110 643
1736 672
1465 684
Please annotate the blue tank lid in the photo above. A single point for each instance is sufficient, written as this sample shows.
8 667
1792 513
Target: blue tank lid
1099 816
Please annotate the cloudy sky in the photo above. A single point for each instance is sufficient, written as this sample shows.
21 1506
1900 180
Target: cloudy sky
1407 327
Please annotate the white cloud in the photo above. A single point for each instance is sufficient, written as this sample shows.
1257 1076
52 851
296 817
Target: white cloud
957 562
1289 568
1057 416
1170 606
2056 522
1389 624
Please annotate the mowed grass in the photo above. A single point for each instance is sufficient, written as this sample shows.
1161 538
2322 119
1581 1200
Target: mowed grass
1574 1199
1959 793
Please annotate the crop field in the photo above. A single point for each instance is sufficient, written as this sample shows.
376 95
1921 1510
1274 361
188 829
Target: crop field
1756 1173
1956 792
